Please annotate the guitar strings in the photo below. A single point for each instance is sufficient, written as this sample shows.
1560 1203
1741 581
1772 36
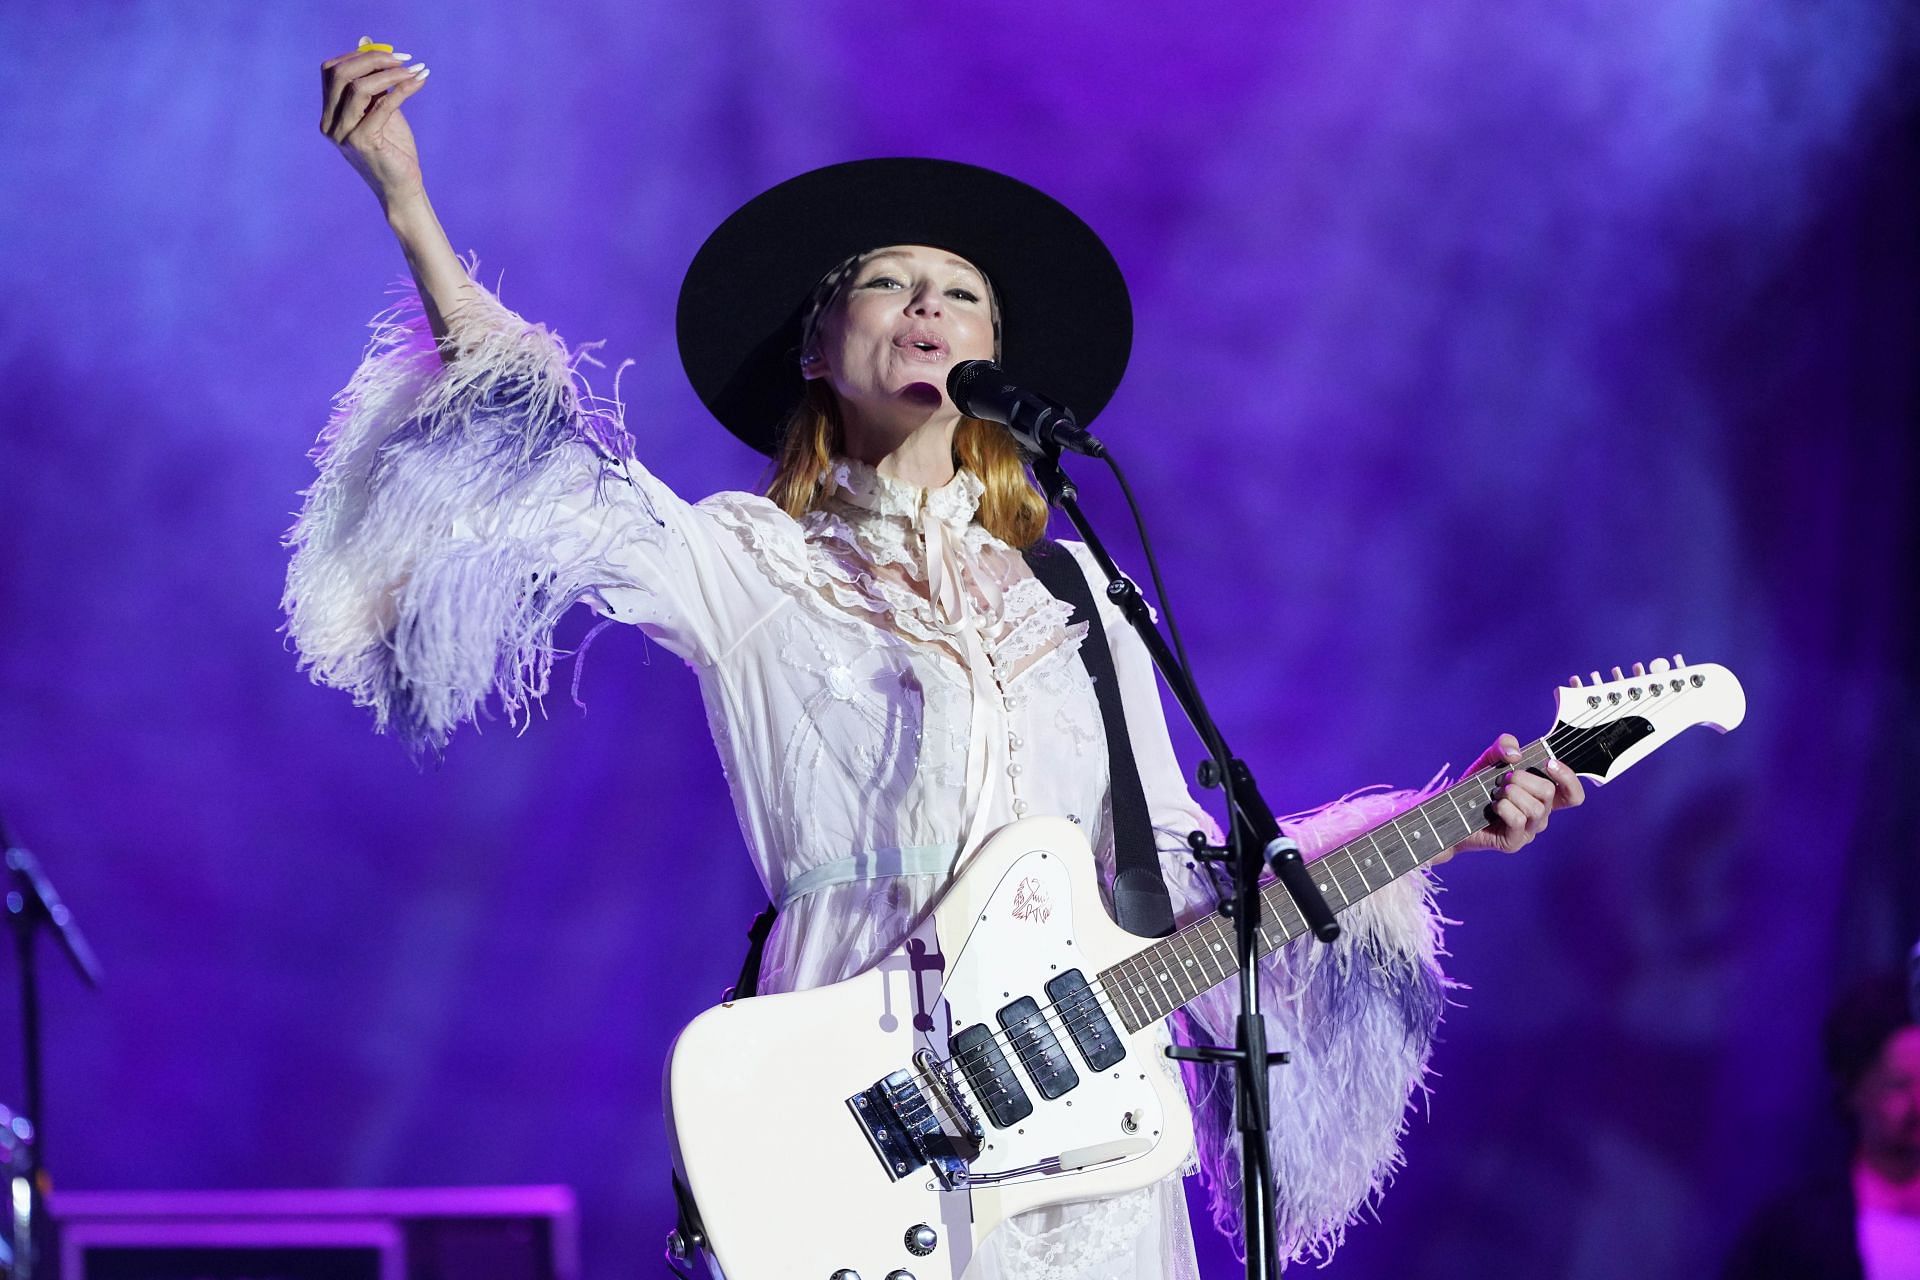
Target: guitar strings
1587 726
1597 717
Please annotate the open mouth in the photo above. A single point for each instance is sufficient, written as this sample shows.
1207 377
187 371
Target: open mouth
929 345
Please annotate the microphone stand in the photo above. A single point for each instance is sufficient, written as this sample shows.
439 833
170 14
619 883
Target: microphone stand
32 903
1254 842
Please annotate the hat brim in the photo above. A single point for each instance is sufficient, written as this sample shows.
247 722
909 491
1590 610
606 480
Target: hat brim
1066 320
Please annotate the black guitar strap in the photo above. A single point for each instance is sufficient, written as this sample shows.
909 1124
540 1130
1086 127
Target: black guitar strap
1140 900
748 984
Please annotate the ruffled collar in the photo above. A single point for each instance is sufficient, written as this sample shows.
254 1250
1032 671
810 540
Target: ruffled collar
856 484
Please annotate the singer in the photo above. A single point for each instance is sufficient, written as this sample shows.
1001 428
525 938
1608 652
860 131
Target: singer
888 682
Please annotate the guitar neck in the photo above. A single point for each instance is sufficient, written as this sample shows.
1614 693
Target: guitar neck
1150 984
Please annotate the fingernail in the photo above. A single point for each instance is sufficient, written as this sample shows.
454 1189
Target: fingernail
401 57
422 71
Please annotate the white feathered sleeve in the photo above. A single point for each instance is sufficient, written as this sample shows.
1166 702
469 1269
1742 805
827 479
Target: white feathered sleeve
462 506
1358 1015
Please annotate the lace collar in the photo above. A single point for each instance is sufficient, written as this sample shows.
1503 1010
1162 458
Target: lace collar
855 484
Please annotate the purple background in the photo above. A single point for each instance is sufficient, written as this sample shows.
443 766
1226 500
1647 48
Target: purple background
1477 344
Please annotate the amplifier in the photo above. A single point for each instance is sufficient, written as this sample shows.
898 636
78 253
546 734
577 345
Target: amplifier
415 1233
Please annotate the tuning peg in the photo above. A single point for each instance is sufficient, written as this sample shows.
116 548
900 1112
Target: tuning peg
1597 679
1659 666
1573 682
1618 674
1679 661
1639 669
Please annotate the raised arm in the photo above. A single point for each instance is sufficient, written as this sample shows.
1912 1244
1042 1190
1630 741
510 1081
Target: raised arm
471 489
360 97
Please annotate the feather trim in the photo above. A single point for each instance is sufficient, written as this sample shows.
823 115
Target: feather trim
1359 1018
434 552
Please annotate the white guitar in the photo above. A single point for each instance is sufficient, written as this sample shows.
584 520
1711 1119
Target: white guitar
1004 1056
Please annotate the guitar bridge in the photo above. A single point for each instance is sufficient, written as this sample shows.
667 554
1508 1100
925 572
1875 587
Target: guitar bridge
899 1118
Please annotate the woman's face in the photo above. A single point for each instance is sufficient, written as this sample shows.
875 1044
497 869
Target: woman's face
907 315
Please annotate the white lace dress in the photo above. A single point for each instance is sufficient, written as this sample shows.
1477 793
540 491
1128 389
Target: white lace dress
887 684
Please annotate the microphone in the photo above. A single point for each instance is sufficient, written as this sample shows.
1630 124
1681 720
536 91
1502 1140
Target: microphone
982 389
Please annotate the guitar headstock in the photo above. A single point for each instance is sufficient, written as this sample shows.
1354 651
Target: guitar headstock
1608 726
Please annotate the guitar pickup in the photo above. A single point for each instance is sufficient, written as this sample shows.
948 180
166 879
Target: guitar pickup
1085 1020
989 1075
1039 1049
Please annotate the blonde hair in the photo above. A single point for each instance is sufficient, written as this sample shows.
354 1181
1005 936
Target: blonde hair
1011 506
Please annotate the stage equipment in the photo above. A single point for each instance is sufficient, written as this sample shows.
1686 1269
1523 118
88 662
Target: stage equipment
981 389
415 1233
16 1141
33 904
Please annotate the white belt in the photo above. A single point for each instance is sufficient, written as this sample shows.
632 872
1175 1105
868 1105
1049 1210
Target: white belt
870 864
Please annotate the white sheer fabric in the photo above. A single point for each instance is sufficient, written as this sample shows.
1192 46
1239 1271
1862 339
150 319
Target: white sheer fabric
912 685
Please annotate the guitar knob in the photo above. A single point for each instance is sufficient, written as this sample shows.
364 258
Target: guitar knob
921 1240
1659 666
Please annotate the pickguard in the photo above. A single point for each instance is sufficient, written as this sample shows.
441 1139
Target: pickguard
1020 938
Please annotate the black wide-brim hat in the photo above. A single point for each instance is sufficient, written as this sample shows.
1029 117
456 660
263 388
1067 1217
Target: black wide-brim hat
1066 323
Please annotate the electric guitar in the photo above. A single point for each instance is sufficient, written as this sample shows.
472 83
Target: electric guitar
1006 1055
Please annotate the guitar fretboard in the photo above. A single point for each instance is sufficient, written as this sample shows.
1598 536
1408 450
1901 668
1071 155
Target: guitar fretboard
1150 984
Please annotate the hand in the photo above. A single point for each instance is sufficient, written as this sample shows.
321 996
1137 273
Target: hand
360 97
1523 801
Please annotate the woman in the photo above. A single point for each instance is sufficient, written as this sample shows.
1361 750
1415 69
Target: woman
1858 1219
887 683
